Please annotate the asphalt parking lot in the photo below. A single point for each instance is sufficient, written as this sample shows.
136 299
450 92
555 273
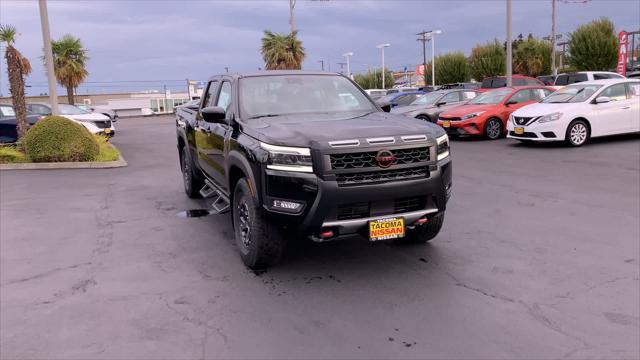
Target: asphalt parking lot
538 258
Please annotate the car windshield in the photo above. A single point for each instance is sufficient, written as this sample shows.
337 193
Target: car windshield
275 95
428 99
7 111
572 94
491 97
66 109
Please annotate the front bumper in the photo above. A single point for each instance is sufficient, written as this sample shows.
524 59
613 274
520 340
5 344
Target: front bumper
464 127
536 132
346 210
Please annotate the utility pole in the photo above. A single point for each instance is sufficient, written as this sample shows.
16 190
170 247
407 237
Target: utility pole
226 69
342 67
509 47
48 56
165 98
348 55
382 46
424 39
554 70
321 63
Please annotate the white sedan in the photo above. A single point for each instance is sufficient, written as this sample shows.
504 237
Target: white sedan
579 112
96 123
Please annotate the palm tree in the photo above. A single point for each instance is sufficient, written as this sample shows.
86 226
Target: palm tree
17 68
282 52
69 63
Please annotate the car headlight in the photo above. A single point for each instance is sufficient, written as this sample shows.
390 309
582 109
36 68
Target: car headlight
288 158
512 119
472 115
443 146
550 117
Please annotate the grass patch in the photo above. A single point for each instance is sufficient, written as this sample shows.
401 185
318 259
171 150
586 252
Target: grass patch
11 155
107 152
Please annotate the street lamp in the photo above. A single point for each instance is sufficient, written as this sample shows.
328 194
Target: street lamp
432 36
348 55
382 46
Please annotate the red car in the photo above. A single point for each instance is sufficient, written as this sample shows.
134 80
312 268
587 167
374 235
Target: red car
496 82
487 114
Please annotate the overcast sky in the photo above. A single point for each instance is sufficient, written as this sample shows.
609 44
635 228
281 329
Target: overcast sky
174 40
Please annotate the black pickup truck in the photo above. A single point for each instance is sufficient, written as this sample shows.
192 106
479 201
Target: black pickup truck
301 154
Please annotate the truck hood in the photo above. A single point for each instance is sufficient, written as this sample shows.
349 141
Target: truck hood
316 130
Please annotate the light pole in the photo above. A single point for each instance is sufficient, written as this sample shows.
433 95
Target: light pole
509 47
554 70
322 64
432 35
382 46
348 55
48 56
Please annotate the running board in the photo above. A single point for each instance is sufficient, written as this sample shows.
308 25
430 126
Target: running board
220 204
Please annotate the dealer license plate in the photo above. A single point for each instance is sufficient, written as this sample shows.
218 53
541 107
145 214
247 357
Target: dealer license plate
385 229
107 131
446 124
519 130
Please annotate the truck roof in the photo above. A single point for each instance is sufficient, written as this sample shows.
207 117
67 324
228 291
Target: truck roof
275 72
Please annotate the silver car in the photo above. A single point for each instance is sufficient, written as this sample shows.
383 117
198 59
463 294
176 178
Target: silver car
429 106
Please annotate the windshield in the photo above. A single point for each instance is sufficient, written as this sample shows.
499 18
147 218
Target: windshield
7 111
276 95
491 97
66 109
428 99
572 94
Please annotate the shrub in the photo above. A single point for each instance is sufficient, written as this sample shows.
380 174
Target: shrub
593 46
487 60
57 139
532 57
10 155
108 152
450 68
373 80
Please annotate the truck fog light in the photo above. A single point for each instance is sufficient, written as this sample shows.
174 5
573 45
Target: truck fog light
286 205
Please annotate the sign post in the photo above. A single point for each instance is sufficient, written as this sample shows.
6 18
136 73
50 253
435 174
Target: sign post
623 39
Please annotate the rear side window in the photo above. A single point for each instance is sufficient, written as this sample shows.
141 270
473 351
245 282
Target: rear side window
601 76
568 79
451 97
494 83
539 94
633 89
615 92
521 96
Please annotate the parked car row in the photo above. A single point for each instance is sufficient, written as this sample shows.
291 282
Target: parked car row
95 122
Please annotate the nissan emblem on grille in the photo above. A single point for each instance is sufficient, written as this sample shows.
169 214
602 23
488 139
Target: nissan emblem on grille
521 121
385 158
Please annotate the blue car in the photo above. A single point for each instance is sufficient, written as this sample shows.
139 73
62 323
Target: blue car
399 98
8 124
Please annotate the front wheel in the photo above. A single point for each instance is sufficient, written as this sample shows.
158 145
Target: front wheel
424 117
577 133
425 233
261 243
493 129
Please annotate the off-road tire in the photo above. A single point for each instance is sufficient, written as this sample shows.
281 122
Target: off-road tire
489 129
427 232
192 182
264 243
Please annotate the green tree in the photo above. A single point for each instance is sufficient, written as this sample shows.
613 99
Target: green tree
487 60
282 51
17 68
593 46
450 68
69 63
373 79
532 57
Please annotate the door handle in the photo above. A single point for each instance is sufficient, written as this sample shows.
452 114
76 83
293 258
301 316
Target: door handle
626 107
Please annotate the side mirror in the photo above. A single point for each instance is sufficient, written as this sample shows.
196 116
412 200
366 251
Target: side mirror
386 108
213 114
602 99
441 103
511 102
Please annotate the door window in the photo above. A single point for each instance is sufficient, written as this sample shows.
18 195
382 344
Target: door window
633 89
539 94
451 97
210 95
224 99
521 96
615 92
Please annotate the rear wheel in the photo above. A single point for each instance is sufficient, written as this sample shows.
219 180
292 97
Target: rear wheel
577 133
259 242
192 184
425 233
423 117
493 129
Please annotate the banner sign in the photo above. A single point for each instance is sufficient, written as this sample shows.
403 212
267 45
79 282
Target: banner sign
420 70
623 39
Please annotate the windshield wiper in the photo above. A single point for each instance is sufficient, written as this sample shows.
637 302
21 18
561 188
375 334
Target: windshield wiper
263 116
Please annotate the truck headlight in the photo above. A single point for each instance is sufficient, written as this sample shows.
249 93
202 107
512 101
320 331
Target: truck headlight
443 146
551 117
472 115
288 158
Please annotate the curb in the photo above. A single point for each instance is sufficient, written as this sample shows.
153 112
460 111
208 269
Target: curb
66 165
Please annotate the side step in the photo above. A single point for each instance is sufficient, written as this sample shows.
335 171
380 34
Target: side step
220 204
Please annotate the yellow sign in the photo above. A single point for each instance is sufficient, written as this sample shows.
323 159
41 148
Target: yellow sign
384 229
519 130
446 124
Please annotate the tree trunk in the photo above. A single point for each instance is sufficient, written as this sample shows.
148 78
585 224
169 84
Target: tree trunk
70 95
16 87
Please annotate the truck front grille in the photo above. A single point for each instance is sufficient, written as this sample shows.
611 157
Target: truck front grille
362 210
368 159
353 211
370 177
409 204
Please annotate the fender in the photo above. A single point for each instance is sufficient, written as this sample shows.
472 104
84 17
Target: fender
236 158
